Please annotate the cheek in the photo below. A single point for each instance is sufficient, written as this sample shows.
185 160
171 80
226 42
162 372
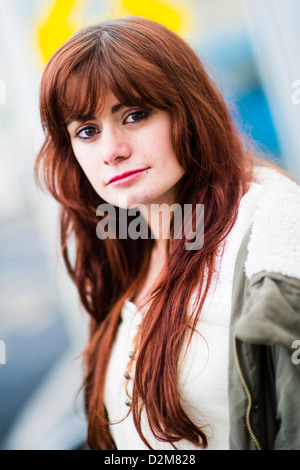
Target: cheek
163 146
90 172
86 162
166 157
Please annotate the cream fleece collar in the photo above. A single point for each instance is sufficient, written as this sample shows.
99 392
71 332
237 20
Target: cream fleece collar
274 244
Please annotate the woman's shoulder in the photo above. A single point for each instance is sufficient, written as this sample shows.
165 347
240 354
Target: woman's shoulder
274 242
266 285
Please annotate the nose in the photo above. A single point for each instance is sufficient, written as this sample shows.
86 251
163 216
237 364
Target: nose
115 146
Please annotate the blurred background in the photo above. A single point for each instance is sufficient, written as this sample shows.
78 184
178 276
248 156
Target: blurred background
250 49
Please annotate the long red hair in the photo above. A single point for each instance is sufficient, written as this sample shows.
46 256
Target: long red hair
145 64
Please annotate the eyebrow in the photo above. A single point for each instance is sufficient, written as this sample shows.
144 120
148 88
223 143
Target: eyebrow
117 108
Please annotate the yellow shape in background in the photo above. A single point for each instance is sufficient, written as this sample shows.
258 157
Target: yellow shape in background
57 26
62 18
171 14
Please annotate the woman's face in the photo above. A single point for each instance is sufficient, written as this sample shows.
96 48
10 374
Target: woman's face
127 154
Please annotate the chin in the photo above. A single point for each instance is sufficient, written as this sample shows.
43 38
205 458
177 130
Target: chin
128 201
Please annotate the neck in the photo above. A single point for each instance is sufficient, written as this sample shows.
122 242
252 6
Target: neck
158 217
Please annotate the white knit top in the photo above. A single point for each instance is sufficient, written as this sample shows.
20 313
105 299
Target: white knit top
203 371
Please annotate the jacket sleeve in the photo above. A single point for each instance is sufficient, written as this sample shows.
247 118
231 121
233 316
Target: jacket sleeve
287 383
286 360
270 320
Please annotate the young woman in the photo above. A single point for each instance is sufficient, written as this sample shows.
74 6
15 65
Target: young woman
191 346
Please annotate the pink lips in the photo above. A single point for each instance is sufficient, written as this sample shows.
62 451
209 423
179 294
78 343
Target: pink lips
126 177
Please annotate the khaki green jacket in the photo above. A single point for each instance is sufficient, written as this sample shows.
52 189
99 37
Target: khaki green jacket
264 372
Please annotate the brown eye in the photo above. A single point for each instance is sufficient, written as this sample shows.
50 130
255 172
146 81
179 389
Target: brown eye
136 116
87 133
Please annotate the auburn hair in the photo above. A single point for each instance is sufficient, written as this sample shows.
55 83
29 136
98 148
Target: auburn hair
142 63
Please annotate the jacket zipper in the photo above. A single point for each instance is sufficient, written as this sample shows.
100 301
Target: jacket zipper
248 394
